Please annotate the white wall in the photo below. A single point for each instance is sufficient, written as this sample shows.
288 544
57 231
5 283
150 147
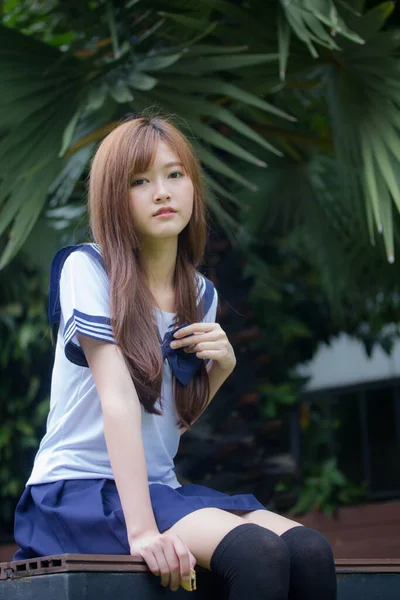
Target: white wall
345 362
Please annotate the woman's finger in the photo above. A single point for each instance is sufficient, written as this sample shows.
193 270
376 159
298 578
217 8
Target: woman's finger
197 328
217 346
208 346
150 560
211 354
163 565
173 563
183 554
190 340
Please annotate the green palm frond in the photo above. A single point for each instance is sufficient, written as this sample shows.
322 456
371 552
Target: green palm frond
356 73
309 19
315 23
250 83
36 107
303 203
50 94
363 98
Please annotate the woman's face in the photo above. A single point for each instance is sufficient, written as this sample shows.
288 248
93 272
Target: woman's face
165 184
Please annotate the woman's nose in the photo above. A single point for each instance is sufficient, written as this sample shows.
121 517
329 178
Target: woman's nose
161 191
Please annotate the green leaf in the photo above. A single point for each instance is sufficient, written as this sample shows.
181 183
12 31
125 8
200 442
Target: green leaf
319 34
378 47
62 186
371 188
24 428
211 160
218 87
221 63
221 191
188 22
299 29
69 131
352 6
158 62
386 208
247 20
27 217
96 96
197 106
375 19
142 81
188 45
206 49
121 92
5 435
228 223
220 141
284 33
29 106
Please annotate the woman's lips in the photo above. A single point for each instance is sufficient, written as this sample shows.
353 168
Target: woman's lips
165 214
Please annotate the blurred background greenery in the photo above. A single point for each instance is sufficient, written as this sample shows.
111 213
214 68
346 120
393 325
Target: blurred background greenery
293 108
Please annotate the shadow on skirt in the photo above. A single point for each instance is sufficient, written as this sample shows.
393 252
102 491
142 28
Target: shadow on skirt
84 516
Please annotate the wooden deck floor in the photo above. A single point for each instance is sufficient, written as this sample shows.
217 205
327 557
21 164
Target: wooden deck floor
367 531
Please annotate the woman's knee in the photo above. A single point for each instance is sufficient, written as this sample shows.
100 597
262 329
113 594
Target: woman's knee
312 566
251 546
253 558
308 542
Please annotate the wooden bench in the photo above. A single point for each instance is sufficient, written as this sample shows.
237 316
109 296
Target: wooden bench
104 577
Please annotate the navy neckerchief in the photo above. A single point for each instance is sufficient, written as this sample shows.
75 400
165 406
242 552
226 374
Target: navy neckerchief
183 365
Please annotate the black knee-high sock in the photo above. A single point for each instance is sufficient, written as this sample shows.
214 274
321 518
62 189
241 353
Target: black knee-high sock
255 562
312 567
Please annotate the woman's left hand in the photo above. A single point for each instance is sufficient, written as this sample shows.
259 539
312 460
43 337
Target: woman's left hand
209 340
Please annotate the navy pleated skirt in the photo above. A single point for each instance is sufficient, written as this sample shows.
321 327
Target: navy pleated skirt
84 516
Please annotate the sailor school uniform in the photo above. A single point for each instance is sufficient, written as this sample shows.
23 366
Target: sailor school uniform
70 503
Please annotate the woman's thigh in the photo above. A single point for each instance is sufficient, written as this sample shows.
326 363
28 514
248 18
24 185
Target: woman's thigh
270 520
203 529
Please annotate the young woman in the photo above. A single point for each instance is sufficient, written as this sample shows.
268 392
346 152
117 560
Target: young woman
138 358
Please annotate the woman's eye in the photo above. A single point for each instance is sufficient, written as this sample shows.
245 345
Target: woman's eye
176 175
137 182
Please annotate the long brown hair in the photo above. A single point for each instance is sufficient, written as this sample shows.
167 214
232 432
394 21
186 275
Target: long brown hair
130 148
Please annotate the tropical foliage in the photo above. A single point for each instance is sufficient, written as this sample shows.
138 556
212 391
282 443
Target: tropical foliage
307 87
25 358
293 107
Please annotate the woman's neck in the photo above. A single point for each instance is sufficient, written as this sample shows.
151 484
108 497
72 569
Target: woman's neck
158 260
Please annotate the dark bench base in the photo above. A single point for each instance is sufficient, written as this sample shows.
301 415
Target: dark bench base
100 577
101 586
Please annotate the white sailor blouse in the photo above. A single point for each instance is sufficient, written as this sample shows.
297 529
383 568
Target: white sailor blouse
73 446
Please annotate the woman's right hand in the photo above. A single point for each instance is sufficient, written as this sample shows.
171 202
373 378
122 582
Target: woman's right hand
165 554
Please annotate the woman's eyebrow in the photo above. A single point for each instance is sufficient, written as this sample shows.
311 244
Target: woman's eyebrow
166 166
173 164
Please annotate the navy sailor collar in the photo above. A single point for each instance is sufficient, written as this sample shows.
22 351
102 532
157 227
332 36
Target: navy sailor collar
183 365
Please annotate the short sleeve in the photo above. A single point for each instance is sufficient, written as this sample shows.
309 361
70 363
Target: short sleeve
85 303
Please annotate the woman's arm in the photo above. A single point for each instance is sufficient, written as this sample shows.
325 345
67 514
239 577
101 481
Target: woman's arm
122 429
165 553
216 377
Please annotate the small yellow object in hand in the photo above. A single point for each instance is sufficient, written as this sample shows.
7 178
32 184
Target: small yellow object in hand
190 584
